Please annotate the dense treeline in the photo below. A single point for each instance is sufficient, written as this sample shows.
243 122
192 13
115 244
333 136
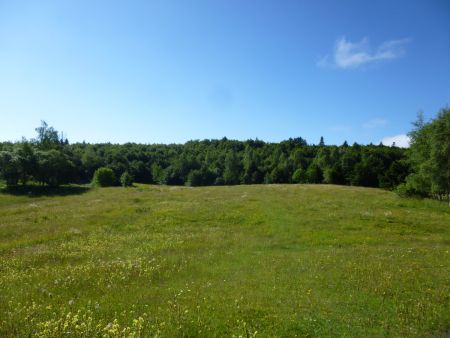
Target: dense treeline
50 159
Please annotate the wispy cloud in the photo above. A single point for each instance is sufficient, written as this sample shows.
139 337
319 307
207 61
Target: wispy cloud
401 140
349 54
374 123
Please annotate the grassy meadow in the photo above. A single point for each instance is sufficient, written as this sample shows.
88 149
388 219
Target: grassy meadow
240 261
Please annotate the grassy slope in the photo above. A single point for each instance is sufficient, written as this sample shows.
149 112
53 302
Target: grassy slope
281 260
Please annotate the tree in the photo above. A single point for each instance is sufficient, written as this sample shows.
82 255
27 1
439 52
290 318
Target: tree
334 174
199 177
250 166
9 167
140 171
314 174
104 177
28 162
48 137
322 142
195 178
299 176
157 174
429 155
277 175
126 179
232 171
90 161
395 175
365 173
54 167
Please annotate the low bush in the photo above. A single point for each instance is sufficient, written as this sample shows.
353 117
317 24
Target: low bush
104 177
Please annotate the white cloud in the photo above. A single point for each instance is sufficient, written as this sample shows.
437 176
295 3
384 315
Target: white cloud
374 123
401 140
349 54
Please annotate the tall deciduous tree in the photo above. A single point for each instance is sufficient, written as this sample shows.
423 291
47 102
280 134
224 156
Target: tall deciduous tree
47 137
429 155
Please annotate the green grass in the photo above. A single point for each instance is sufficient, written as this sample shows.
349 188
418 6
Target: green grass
267 260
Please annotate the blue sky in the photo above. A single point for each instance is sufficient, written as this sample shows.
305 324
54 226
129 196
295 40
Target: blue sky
170 71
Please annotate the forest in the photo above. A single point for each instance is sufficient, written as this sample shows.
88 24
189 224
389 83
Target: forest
422 169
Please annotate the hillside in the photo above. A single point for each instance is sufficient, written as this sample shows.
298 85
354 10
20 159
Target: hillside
269 260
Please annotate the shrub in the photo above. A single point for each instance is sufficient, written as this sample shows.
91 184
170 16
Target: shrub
407 190
126 179
104 177
402 190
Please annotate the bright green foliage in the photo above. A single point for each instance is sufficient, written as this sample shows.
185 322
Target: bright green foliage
279 260
314 173
104 177
299 176
429 155
126 180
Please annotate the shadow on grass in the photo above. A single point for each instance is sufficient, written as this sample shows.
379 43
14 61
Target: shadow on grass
37 190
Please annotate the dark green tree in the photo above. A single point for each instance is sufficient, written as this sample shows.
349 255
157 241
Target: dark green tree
28 161
232 171
54 167
333 174
9 167
321 142
314 174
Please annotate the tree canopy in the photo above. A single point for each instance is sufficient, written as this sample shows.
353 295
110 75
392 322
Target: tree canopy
50 159
429 156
